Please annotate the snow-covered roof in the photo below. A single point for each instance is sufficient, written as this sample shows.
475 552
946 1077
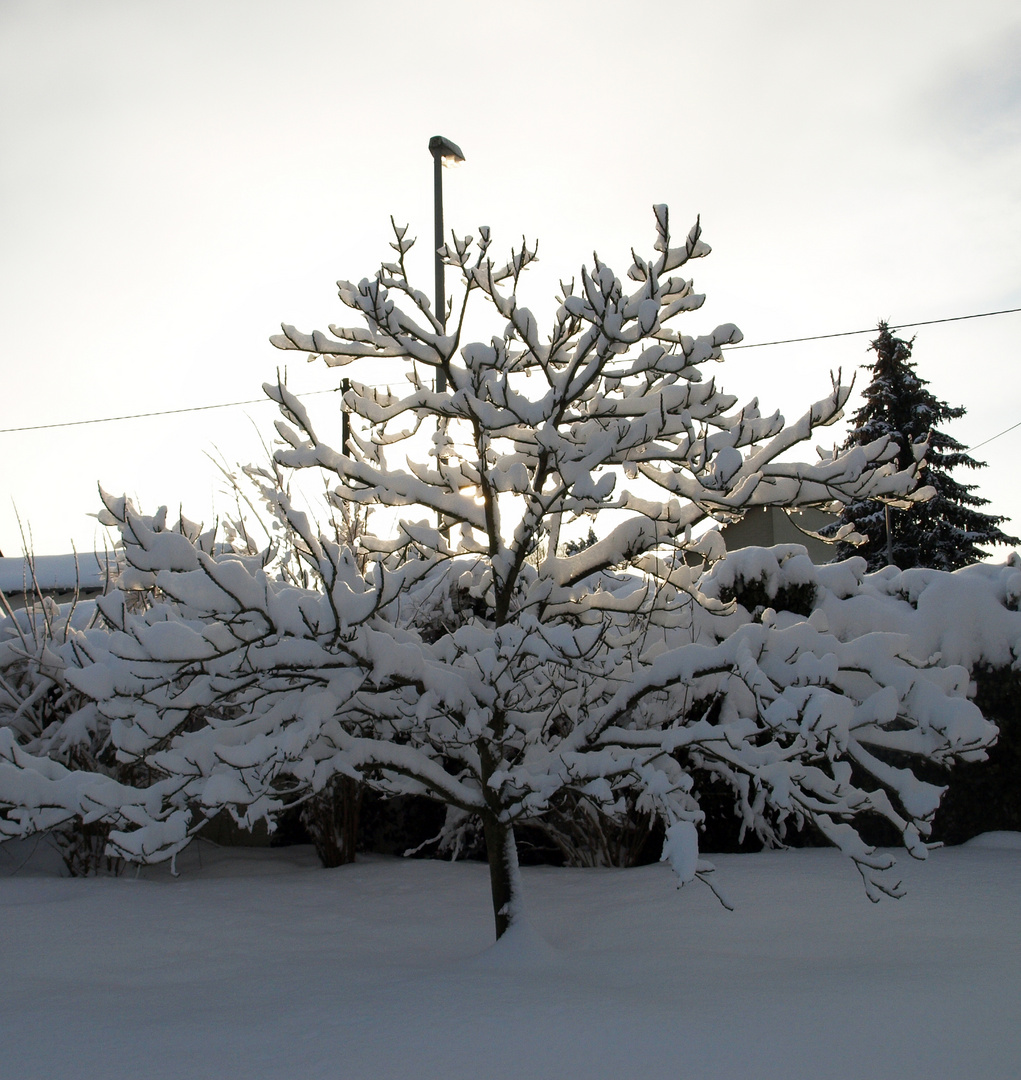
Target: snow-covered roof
56 573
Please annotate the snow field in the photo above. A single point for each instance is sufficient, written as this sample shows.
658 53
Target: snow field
259 965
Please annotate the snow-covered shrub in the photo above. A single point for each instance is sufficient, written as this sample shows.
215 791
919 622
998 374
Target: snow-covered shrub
575 831
551 677
967 618
986 796
782 580
41 714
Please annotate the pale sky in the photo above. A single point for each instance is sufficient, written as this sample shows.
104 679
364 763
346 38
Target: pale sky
180 176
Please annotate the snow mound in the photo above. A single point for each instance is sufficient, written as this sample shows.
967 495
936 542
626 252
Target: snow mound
996 841
522 948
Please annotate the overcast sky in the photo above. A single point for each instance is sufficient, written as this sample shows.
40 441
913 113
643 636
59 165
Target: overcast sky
178 177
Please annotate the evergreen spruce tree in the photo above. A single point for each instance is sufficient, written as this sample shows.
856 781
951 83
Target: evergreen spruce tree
945 531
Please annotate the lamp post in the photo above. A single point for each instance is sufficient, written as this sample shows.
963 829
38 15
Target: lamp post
444 152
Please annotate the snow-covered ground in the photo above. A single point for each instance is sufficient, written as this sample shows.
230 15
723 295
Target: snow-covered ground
258 964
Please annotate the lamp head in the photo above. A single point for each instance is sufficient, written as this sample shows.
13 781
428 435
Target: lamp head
449 153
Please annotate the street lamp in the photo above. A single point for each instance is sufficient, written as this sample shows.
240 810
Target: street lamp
444 152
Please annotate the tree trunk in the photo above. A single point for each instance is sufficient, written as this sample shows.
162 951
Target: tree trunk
504 878
331 818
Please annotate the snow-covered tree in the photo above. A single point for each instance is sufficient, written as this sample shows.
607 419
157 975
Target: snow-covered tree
945 531
473 664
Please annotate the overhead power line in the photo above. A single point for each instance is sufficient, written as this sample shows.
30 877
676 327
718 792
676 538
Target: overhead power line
313 393
985 442
872 329
160 412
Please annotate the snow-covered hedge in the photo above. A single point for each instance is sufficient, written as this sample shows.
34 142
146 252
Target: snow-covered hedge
967 618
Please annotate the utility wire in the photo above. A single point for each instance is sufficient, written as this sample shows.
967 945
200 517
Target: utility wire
872 329
162 412
313 393
985 442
